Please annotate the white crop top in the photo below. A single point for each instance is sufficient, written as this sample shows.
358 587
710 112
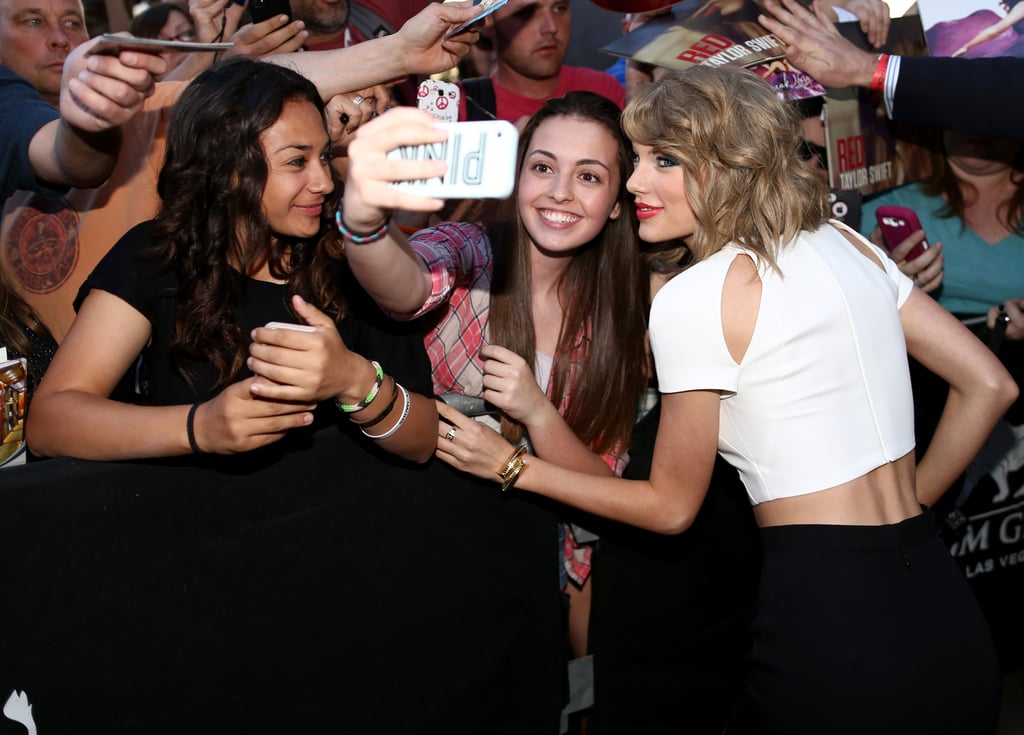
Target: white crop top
822 395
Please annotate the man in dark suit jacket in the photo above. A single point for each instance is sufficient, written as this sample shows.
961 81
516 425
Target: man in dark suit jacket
980 96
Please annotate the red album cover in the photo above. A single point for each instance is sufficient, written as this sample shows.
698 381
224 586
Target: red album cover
866 151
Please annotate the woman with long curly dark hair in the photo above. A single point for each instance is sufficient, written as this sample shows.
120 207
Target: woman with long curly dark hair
341 568
245 186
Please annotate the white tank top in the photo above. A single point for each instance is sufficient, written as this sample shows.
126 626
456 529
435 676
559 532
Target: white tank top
822 395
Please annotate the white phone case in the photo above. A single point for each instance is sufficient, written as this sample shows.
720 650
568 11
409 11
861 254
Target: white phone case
440 99
481 158
289 325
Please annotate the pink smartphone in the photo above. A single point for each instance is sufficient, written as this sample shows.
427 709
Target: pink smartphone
897 224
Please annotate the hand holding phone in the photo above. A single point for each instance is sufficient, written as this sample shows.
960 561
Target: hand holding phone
261 10
112 44
481 157
897 224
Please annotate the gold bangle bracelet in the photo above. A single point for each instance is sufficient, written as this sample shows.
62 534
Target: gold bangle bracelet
514 475
511 462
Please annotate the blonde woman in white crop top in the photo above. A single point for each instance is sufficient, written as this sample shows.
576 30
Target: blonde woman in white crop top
784 347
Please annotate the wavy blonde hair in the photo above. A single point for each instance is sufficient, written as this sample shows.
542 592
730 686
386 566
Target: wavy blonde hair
736 142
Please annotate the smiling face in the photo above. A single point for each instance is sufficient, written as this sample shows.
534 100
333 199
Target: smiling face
36 37
569 184
298 171
662 206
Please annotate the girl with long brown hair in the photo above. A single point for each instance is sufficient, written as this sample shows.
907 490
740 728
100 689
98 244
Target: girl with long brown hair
537 306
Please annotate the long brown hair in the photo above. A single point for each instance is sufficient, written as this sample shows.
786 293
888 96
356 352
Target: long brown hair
603 292
211 188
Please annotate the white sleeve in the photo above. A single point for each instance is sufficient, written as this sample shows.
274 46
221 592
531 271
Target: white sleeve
904 284
687 341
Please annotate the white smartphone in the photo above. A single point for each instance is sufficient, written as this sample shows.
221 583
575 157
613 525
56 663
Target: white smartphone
288 325
481 158
113 44
440 99
477 21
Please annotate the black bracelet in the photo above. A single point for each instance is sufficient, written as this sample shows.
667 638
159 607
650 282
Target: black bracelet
190 428
384 415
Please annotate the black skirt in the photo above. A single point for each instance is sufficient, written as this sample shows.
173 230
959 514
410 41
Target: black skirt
868 629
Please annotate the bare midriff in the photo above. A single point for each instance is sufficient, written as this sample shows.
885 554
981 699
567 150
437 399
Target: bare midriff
883 496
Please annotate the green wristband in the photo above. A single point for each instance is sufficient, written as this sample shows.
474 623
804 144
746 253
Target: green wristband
352 408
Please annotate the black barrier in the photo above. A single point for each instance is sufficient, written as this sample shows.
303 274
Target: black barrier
165 597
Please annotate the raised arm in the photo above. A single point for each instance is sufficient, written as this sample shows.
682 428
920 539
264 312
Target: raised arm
98 95
419 47
217 20
814 46
388 269
980 391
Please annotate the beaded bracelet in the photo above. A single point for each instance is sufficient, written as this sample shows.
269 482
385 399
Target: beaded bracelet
401 419
360 238
353 407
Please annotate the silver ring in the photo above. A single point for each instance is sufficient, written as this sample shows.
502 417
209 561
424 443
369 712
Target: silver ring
917 281
357 100
450 436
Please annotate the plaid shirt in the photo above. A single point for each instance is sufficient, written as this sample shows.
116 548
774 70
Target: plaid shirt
461 264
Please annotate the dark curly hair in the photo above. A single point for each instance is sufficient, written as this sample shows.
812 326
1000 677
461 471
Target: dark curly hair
211 222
